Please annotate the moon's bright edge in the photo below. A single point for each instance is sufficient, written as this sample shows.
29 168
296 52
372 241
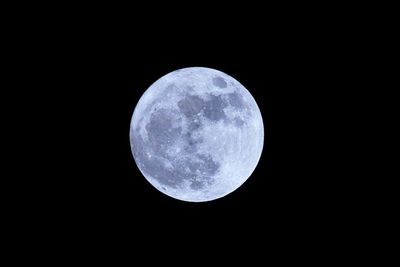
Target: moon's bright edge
196 134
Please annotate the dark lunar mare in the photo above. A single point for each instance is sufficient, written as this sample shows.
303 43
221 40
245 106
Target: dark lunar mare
214 108
191 105
235 99
219 82
198 169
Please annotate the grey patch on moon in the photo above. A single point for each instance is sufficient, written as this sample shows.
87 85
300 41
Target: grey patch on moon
191 147
194 125
205 165
191 142
219 82
208 166
171 89
171 86
189 88
214 108
160 131
238 122
196 185
236 100
191 105
154 166
166 172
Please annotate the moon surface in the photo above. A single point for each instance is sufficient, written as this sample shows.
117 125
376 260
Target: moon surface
196 134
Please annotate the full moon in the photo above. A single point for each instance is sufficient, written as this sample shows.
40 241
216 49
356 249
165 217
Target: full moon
196 134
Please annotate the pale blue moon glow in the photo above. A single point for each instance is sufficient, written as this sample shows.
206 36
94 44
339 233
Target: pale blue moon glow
196 134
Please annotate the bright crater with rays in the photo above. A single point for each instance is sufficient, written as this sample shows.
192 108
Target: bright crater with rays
196 134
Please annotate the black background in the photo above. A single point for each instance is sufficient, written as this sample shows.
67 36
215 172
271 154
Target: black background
297 67
294 184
